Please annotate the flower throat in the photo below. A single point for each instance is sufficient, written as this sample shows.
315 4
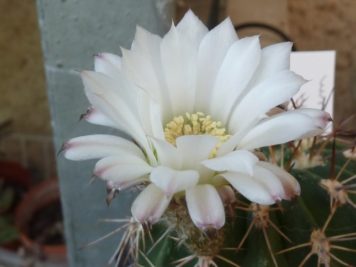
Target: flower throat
194 124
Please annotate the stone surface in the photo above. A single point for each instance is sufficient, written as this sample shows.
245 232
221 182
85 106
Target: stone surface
72 31
11 148
23 95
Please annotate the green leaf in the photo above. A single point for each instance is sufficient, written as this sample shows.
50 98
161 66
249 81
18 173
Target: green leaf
8 232
7 196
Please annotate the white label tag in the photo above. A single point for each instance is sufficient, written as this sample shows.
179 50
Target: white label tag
318 67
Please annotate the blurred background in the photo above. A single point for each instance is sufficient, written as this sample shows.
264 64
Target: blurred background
27 145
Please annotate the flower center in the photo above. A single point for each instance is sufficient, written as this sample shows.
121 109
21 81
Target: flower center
194 124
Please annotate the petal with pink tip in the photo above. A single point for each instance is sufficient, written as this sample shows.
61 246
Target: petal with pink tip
108 64
117 99
250 188
94 116
99 146
290 184
150 205
321 120
278 129
270 181
205 207
273 91
121 169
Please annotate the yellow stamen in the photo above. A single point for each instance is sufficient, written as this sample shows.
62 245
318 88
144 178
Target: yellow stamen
195 124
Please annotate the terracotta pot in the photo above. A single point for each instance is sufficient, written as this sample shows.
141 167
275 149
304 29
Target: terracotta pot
39 197
13 174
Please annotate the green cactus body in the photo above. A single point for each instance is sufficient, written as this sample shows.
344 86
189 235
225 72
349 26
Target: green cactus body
301 221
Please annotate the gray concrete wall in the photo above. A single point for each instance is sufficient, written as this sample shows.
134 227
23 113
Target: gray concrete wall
72 32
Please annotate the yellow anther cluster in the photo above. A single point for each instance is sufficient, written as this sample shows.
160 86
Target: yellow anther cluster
194 124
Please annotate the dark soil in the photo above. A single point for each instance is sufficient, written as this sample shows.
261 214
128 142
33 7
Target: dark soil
46 225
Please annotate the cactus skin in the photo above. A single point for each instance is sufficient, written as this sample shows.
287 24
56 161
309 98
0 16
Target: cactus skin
297 219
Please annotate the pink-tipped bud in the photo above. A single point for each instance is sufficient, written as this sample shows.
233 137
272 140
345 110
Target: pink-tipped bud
205 207
150 205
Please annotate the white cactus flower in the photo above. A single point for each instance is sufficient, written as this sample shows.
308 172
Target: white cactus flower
195 104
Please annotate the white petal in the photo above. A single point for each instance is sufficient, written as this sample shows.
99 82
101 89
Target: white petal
212 51
112 98
205 207
103 101
108 64
278 129
179 55
290 184
156 119
143 65
320 118
150 115
268 94
249 188
275 58
235 73
115 60
193 149
94 116
172 181
122 170
192 28
237 161
138 67
167 154
147 40
270 181
99 146
150 205
230 144
179 50
117 100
